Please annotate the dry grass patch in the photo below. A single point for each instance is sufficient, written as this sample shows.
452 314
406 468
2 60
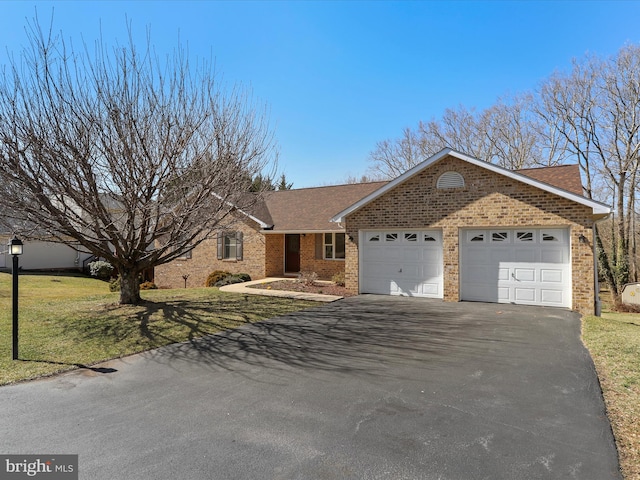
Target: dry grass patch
614 343
67 321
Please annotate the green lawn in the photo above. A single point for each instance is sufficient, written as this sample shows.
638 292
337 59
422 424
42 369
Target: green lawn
67 321
614 343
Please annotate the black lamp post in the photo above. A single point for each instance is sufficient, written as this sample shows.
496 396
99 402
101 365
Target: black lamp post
15 249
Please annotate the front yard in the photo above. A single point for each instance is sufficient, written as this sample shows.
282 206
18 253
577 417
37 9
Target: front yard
614 343
68 321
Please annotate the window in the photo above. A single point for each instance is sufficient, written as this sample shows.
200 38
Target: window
499 236
183 240
391 237
429 238
524 236
334 246
230 246
450 180
411 237
475 236
373 237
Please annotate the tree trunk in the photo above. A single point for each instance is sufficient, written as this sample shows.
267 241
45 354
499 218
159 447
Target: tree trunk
606 271
129 288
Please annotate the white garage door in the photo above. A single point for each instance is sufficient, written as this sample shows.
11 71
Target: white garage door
522 266
398 262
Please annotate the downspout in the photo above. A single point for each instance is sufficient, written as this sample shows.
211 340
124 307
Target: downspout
596 283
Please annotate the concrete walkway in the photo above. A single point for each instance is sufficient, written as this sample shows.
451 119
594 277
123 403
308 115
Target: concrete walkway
244 288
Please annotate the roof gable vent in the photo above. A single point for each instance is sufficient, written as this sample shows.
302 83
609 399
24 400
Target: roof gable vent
450 180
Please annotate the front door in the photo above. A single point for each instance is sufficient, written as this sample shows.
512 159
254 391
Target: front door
292 253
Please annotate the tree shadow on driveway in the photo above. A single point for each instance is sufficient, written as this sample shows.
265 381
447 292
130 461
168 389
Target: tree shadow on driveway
367 334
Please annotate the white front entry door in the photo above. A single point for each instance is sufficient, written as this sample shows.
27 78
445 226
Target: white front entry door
401 262
530 266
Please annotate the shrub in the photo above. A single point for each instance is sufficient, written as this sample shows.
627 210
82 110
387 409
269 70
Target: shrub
148 286
233 278
245 277
114 285
215 277
338 279
308 278
100 269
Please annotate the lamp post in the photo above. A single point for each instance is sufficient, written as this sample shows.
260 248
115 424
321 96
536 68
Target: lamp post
15 249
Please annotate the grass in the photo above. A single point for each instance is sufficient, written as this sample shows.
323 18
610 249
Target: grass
614 343
71 321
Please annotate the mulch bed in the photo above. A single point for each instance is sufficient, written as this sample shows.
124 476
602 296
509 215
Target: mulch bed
294 286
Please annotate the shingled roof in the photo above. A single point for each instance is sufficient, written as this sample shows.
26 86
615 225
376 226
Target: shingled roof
566 177
310 209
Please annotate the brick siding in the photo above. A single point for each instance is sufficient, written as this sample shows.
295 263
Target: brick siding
204 260
487 200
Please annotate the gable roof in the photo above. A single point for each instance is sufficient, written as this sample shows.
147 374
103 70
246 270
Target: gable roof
599 209
309 209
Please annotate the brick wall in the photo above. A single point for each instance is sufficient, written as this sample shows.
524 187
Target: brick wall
274 262
310 262
487 200
204 260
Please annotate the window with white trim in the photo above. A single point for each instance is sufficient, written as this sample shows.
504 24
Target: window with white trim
411 237
552 235
334 246
526 236
475 236
499 236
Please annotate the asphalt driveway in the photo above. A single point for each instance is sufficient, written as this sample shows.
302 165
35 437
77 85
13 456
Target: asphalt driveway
369 387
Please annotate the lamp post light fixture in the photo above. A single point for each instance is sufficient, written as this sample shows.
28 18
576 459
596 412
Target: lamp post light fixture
15 249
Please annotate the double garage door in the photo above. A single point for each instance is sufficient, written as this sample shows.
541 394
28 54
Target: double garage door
522 266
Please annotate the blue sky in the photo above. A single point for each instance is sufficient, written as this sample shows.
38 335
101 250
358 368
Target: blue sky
340 76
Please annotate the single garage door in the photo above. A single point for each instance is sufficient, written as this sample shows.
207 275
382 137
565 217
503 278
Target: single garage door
398 262
522 266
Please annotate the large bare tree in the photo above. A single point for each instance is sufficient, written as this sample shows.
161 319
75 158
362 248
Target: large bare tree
508 134
135 157
596 107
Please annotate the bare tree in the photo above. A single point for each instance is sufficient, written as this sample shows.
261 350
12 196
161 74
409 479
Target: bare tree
136 158
507 134
392 158
596 107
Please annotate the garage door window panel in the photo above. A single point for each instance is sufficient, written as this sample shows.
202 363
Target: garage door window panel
499 236
429 238
525 236
475 236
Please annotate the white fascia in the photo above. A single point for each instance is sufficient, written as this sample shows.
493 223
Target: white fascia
599 209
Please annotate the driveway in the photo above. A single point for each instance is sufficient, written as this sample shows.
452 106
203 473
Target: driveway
369 387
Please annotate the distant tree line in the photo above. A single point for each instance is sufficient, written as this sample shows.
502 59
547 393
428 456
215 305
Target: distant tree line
588 115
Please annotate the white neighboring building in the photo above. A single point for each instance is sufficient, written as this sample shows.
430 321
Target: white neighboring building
40 255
